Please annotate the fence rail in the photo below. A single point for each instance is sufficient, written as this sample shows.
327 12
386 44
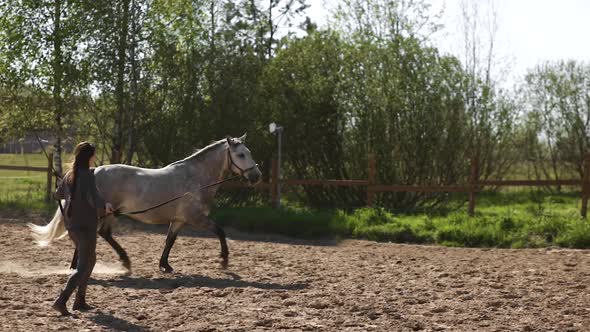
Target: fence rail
416 188
472 187
48 170
325 182
23 168
372 187
529 183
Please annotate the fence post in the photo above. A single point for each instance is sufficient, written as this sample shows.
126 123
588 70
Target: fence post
472 187
274 183
49 177
585 186
372 174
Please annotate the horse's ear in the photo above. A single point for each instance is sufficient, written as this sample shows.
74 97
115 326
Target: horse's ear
229 140
243 138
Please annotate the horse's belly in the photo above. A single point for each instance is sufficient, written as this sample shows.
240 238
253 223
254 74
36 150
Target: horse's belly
156 217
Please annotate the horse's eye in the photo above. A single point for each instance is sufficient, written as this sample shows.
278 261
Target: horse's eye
241 155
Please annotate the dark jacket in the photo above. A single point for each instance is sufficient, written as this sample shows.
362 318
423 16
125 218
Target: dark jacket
83 209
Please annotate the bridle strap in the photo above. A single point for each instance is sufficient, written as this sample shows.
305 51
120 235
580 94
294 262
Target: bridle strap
231 163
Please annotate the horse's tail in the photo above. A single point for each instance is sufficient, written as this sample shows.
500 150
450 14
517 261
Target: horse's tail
55 230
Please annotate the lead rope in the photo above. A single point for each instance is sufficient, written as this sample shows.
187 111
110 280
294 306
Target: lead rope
117 213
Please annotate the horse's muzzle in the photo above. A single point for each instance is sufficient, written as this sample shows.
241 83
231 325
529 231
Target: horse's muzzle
254 176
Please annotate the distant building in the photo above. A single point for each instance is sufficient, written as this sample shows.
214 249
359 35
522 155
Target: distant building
30 144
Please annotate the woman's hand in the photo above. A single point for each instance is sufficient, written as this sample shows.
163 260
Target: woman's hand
109 208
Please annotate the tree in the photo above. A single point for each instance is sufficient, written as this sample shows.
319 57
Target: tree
300 89
116 50
558 96
379 20
492 115
403 101
39 53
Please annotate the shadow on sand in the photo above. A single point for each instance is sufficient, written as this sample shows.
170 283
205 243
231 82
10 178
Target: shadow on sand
126 226
192 281
114 323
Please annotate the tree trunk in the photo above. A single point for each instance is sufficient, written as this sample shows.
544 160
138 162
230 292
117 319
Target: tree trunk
57 84
120 118
131 139
270 29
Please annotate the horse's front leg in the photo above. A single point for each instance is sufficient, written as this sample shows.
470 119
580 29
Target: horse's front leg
106 232
170 238
212 226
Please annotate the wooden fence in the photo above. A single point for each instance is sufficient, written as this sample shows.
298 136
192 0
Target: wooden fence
372 187
48 170
473 186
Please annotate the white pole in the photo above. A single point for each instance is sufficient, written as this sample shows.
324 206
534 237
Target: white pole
279 137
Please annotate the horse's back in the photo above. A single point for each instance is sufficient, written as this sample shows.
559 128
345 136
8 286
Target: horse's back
121 182
120 173
124 169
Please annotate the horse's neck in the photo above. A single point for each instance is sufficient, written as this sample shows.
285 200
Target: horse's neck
209 169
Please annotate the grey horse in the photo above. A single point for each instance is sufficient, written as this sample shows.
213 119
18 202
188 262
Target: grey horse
130 188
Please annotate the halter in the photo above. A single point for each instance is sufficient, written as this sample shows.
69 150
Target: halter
231 162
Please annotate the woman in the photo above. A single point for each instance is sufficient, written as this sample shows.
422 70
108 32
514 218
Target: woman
83 206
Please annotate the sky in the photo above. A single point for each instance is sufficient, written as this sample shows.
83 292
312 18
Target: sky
529 31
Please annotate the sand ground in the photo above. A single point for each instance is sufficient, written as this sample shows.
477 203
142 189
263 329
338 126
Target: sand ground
273 284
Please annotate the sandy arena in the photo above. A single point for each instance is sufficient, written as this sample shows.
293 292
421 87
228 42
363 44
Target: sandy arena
274 284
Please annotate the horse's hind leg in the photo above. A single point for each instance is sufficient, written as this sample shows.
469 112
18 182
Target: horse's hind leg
205 222
170 238
74 263
106 232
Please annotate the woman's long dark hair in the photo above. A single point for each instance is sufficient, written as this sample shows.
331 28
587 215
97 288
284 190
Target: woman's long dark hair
83 152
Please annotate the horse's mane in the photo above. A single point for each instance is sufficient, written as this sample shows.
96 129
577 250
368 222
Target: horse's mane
200 154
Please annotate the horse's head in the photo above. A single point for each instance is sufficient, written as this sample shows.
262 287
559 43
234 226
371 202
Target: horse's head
240 160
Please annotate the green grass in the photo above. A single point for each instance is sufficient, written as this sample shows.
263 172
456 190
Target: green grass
27 159
514 218
506 220
23 189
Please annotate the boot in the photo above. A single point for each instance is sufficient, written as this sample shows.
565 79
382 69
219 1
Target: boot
80 303
60 304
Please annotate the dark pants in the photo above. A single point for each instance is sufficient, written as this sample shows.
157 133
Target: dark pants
85 241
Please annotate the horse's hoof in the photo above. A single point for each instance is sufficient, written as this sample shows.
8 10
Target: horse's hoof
166 269
224 264
127 264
